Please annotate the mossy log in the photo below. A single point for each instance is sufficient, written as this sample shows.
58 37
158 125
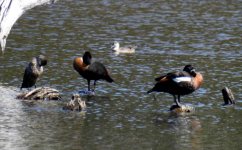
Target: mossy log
41 93
228 96
75 104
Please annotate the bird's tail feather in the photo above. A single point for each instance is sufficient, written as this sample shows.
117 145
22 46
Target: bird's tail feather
151 90
109 79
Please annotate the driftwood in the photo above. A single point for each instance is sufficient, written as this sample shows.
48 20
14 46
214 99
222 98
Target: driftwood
41 93
228 96
75 104
182 109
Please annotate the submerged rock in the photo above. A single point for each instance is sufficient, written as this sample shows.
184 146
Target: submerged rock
41 93
75 104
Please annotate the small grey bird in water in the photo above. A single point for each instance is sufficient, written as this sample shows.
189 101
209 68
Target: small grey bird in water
33 71
127 49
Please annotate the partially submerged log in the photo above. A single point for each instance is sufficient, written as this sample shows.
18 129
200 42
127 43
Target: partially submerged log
41 93
182 109
228 96
75 104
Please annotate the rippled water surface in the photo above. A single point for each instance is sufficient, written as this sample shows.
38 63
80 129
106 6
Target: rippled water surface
169 35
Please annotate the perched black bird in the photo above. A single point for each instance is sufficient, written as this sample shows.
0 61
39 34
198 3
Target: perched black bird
91 71
178 83
33 71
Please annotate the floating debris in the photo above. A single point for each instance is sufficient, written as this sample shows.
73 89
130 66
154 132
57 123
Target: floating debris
41 93
76 103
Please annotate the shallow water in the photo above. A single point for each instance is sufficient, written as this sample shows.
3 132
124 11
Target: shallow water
169 35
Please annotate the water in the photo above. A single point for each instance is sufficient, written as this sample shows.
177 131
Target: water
169 35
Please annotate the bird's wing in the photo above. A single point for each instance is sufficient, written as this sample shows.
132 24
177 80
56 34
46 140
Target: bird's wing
175 76
26 77
160 77
97 68
181 77
132 46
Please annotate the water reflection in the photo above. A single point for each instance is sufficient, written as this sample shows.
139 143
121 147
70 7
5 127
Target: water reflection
185 130
11 119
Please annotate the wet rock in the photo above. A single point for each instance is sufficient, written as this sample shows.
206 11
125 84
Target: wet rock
182 109
75 104
228 96
41 93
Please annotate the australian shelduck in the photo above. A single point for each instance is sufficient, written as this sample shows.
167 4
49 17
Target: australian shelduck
178 83
33 71
91 71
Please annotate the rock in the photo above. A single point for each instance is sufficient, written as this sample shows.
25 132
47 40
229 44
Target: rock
182 109
41 93
75 104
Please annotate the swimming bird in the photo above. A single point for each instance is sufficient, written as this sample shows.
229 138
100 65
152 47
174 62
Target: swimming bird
178 83
33 71
91 71
127 49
